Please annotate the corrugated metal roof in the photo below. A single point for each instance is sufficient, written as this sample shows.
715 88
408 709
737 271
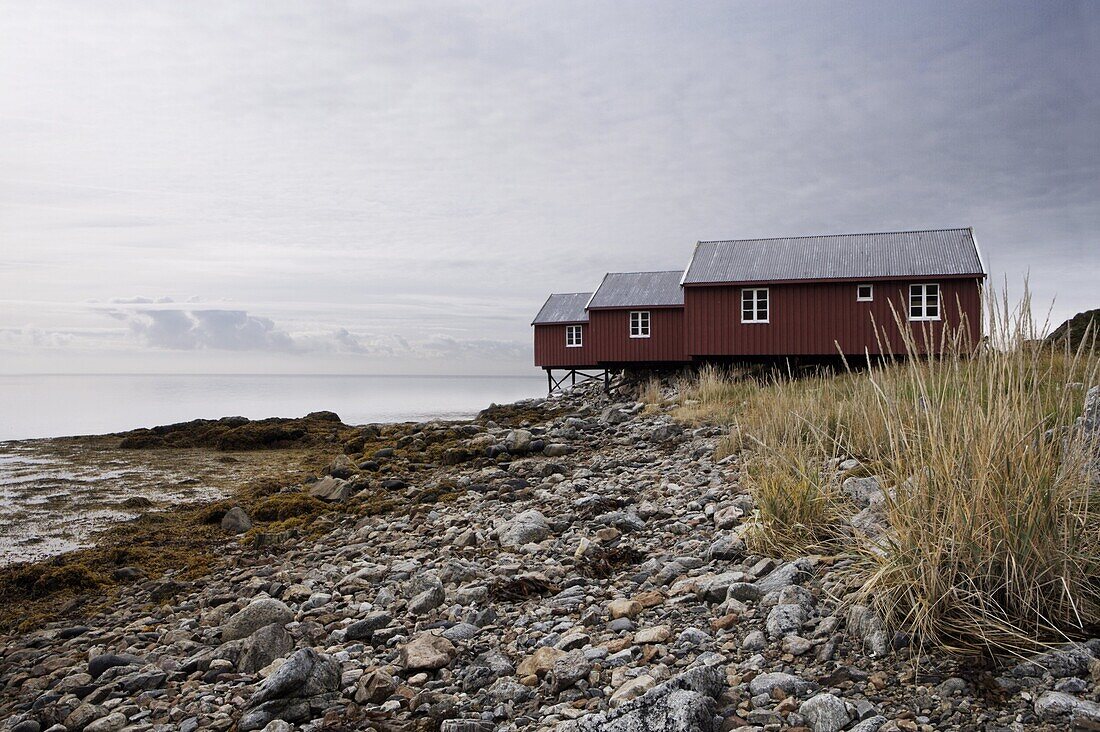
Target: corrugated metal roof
837 256
639 289
563 308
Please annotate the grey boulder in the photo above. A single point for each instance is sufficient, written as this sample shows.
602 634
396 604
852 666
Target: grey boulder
99 664
332 489
427 652
685 703
789 683
1053 704
236 521
285 694
254 616
865 624
264 646
825 713
526 528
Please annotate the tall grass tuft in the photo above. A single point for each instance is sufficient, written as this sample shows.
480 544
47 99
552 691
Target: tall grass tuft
650 394
798 505
993 538
714 394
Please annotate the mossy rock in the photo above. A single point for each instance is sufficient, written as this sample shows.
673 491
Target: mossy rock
283 506
142 441
214 512
237 433
40 580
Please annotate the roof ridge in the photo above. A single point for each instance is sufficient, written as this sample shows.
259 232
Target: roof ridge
834 236
561 294
648 271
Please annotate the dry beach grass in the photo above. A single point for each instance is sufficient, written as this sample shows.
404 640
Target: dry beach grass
994 539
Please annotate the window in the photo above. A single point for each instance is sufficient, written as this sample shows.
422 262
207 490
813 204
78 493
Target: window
573 336
865 293
754 305
639 324
924 302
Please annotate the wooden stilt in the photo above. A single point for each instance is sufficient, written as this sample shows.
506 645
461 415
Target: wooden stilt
572 376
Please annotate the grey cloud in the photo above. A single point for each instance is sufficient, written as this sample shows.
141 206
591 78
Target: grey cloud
342 340
232 330
240 330
140 300
448 346
35 337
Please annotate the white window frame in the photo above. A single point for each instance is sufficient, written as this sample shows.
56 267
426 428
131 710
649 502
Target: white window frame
754 296
870 296
574 336
926 294
640 323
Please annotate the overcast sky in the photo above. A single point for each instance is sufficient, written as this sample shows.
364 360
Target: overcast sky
394 187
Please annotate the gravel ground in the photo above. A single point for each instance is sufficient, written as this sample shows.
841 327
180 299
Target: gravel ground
584 571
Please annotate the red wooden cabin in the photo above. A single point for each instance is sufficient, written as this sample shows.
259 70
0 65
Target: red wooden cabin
828 295
751 299
561 333
638 318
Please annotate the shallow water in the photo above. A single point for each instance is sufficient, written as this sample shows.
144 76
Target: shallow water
54 405
54 496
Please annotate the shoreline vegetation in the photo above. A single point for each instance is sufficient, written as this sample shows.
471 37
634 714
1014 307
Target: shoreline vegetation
962 482
905 547
184 541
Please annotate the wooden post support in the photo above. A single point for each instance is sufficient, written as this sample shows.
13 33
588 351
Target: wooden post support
573 376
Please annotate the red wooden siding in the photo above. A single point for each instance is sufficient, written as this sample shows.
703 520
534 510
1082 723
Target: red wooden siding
551 352
609 336
811 319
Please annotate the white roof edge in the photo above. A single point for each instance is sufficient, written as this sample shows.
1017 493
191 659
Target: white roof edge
694 251
602 280
978 251
544 304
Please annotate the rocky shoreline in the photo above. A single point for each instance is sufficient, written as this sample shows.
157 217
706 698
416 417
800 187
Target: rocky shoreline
569 563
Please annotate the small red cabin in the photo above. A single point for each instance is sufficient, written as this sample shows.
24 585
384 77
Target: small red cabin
808 296
560 333
638 318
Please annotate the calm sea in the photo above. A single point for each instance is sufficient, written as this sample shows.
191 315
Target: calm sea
62 405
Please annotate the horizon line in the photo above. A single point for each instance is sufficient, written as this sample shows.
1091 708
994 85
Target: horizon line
342 375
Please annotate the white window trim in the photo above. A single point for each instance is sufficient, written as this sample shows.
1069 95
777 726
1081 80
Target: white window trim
648 324
869 298
580 336
924 302
755 300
